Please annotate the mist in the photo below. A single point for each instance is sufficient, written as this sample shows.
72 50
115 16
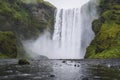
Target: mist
66 43
45 46
67 4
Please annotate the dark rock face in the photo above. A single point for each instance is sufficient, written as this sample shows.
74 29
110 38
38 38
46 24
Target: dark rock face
106 43
52 75
63 61
85 79
23 62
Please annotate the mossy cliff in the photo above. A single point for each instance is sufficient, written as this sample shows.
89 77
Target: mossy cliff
21 20
8 44
106 43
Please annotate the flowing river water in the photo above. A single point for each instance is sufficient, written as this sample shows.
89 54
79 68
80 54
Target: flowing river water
60 70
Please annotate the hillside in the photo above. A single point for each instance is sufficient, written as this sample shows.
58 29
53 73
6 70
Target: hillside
106 43
21 20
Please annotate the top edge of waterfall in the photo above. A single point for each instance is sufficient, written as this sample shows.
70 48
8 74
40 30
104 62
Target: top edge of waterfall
68 4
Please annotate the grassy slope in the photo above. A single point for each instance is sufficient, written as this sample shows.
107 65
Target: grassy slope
106 43
16 17
8 46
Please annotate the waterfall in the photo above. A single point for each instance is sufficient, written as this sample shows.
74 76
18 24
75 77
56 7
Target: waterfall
72 32
67 31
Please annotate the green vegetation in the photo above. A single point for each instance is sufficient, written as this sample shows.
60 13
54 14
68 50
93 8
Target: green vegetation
38 2
23 19
106 43
8 45
32 1
20 17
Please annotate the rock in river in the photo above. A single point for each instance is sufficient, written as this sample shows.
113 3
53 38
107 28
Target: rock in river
23 62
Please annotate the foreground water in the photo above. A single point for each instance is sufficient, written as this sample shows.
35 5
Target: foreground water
60 70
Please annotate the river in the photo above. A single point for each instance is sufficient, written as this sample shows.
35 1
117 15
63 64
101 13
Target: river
90 69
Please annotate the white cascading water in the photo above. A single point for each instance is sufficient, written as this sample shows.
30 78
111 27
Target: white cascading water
67 32
72 31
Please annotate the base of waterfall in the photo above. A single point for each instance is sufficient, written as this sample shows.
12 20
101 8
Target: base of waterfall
90 69
71 35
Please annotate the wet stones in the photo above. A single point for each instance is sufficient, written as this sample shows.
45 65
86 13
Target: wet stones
52 75
63 61
85 79
23 62
76 65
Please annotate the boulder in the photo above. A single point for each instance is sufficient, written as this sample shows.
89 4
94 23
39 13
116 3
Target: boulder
23 62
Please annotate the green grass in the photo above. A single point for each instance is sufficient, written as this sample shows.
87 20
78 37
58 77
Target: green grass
106 43
8 44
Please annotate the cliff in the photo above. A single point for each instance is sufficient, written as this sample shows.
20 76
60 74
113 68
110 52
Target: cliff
21 20
106 43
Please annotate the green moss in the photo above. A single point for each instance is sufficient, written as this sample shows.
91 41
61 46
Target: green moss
49 4
32 1
113 53
17 16
106 43
8 44
3 56
17 19
23 62
96 25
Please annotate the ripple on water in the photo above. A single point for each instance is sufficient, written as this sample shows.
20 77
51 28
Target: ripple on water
57 70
